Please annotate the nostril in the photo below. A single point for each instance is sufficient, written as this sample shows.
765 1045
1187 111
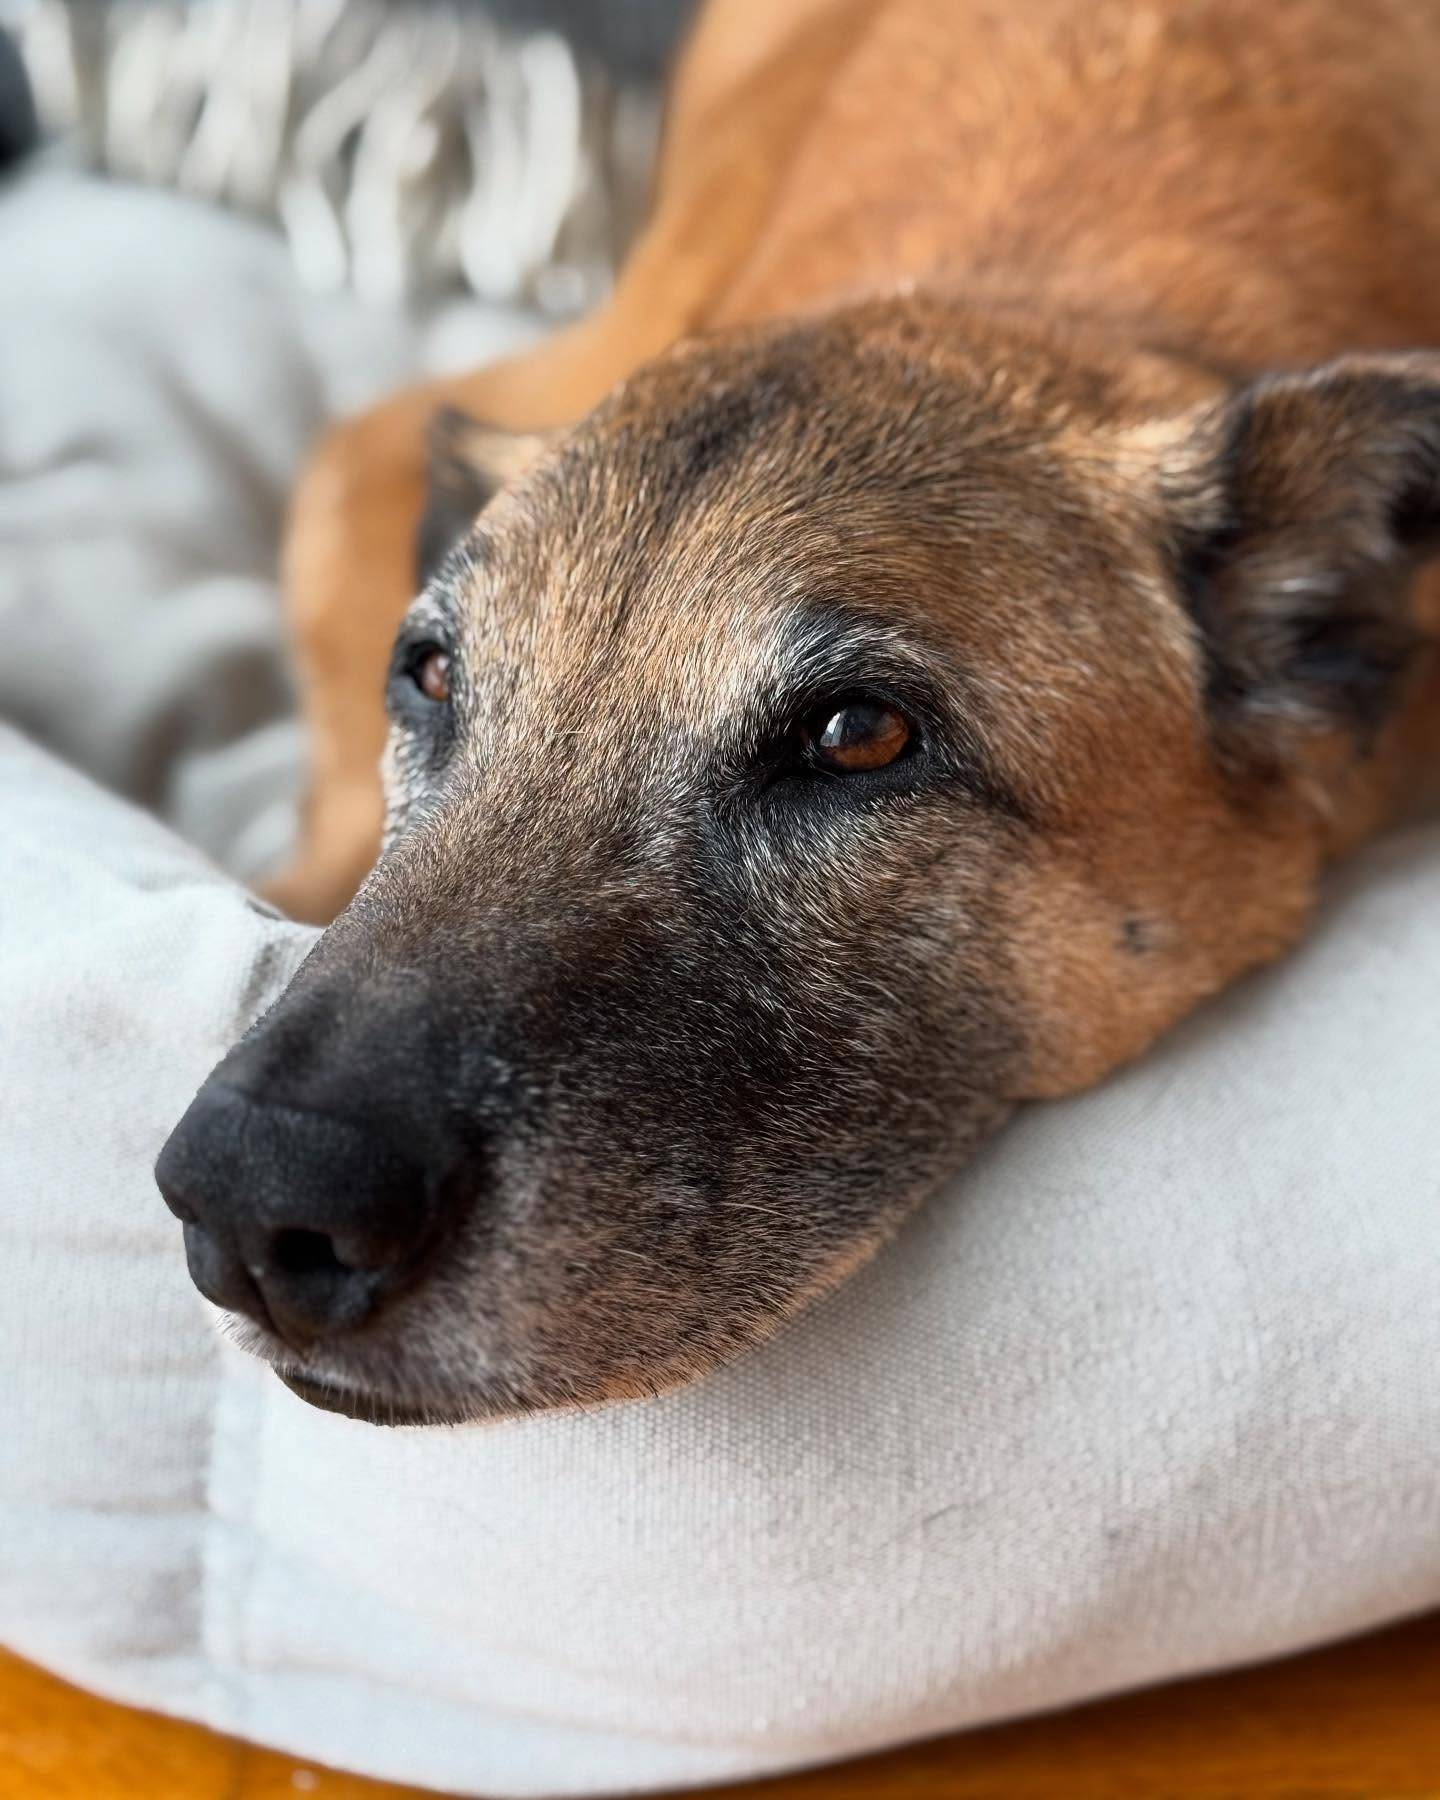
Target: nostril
310 1289
294 1251
218 1272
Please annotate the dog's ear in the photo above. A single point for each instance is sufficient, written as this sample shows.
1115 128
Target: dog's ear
467 463
1305 504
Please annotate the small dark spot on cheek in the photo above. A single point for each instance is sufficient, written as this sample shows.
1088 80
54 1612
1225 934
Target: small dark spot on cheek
1139 936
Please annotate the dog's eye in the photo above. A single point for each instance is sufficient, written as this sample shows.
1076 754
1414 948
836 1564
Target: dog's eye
851 736
430 671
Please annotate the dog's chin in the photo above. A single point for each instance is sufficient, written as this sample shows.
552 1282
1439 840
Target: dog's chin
367 1406
351 1399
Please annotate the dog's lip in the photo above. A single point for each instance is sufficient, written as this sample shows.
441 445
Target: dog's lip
358 1403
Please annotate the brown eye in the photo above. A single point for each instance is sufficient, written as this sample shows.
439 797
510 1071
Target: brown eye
864 734
432 675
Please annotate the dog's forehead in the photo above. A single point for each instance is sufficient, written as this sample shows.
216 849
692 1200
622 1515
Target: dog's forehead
546 607
677 556
665 550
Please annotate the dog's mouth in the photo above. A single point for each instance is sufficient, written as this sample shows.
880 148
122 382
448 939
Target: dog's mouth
357 1403
371 1406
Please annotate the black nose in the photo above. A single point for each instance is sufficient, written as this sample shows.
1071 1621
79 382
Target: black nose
304 1220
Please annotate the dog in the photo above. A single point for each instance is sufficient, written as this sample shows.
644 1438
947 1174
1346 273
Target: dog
929 633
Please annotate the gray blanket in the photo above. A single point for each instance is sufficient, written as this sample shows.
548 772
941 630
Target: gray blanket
161 376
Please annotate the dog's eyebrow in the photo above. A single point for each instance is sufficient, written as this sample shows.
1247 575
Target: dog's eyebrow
436 604
833 643
440 599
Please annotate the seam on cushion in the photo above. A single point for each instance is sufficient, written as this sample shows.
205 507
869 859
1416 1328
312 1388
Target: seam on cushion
231 1545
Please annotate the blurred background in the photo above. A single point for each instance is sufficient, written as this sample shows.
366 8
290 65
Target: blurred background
504 146
225 224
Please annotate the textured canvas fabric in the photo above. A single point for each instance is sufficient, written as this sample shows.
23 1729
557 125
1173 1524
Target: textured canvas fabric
1149 1389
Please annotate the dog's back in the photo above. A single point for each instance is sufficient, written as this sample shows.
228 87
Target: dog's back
1252 185
1261 177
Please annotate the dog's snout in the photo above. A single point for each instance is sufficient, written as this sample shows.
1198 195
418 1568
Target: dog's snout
303 1220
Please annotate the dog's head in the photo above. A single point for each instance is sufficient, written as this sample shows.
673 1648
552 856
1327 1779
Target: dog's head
848 731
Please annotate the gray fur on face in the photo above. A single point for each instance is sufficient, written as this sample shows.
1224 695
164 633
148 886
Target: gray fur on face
677 1021
707 1026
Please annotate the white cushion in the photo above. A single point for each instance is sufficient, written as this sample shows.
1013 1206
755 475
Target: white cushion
1151 1389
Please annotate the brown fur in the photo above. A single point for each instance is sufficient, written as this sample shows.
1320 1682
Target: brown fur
985 296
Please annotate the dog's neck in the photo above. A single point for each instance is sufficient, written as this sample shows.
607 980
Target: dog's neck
1227 185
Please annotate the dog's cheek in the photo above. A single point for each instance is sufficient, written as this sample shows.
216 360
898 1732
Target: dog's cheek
635 1242
1112 943
904 1042
1092 986
611 1294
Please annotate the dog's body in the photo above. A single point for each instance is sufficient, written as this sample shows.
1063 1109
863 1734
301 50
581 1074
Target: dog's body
906 699
1254 186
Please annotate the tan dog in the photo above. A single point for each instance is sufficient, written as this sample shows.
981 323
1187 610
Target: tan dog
905 698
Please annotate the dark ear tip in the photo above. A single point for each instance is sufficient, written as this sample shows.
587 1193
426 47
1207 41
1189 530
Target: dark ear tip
456 460
448 433
1297 526
457 487
467 463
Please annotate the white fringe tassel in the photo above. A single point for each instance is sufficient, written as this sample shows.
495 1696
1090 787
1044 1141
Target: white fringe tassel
404 148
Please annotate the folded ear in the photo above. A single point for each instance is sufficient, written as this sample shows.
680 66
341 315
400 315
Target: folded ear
1305 505
466 465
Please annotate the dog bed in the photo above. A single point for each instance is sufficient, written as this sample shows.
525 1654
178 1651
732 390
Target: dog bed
1150 1389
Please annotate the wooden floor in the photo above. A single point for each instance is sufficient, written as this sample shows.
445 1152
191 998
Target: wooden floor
1360 1722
